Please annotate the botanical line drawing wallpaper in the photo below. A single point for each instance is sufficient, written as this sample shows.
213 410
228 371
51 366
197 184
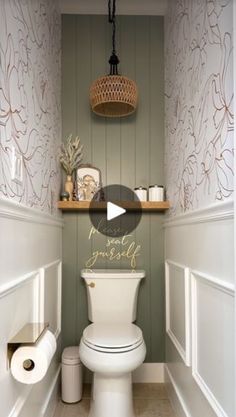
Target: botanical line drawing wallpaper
199 103
30 100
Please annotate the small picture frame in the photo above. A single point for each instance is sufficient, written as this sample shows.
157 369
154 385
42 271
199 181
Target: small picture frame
88 183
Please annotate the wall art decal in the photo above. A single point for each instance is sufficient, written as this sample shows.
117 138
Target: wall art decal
199 103
30 117
116 249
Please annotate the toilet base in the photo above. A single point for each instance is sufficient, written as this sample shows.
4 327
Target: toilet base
112 396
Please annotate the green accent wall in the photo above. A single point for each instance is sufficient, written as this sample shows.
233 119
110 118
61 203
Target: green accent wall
128 151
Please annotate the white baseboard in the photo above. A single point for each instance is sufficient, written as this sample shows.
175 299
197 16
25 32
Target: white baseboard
149 372
174 395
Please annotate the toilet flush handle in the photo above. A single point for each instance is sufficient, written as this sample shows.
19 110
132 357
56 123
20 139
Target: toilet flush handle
91 284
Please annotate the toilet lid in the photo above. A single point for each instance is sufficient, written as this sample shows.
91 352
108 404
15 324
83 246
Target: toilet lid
112 337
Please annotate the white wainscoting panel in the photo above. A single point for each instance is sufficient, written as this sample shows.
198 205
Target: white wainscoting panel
205 243
178 308
14 298
213 341
33 297
174 395
52 296
18 306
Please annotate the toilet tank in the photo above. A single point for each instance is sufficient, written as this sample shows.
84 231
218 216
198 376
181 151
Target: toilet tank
112 294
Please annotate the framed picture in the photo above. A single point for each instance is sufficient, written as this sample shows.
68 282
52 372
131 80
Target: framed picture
88 183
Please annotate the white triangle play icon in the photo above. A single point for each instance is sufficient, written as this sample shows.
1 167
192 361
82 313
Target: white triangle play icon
114 211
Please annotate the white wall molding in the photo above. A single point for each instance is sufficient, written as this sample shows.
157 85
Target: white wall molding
221 284
41 285
38 276
228 289
59 299
184 351
13 285
58 265
149 373
6 290
175 395
212 213
12 210
124 7
54 263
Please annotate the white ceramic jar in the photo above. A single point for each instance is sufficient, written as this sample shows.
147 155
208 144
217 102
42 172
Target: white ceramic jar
156 193
141 193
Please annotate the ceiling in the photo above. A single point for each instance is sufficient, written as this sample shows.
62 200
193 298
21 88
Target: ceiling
128 7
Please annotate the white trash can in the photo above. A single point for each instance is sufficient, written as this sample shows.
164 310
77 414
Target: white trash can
71 375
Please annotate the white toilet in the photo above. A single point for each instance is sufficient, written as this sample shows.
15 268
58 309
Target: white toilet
112 346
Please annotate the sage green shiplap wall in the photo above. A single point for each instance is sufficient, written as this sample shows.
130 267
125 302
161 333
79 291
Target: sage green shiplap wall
128 151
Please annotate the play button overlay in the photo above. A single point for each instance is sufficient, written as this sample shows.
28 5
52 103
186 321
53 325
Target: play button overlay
117 218
114 211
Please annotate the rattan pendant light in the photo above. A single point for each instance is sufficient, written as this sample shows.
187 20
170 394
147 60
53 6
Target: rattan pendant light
113 95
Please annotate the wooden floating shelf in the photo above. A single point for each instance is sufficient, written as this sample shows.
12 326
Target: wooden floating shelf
102 205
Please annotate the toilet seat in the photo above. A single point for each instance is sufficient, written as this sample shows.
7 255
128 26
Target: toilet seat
112 338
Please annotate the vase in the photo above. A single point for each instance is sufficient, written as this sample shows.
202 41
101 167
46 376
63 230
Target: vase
69 186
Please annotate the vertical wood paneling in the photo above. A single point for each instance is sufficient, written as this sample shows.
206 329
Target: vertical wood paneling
69 126
144 308
113 138
69 281
142 117
128 151
156 109
98 67
156 175
157 286
142 167
113 126
113 156
128 125
98 127
83 81
84 249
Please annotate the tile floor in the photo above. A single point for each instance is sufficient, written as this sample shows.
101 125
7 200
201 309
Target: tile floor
150 400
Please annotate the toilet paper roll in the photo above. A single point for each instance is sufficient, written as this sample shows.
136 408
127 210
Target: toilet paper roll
29 363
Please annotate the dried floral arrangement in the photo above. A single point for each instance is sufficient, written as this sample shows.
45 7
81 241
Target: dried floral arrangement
71 154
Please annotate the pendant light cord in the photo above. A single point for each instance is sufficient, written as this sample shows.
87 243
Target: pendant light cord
113 61
112 19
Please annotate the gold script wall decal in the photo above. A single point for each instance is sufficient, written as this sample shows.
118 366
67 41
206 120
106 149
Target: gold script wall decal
115 249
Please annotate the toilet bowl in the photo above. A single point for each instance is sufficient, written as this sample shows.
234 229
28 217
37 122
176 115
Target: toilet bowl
112 357
112 346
